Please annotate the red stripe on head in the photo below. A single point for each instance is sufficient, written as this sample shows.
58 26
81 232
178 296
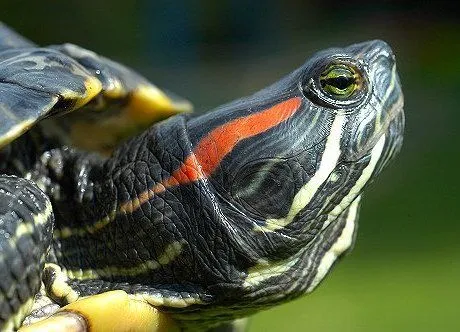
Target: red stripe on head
210 151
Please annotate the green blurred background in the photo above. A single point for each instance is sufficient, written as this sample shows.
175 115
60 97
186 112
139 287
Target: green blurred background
405 270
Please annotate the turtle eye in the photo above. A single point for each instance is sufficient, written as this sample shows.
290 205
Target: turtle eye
340 81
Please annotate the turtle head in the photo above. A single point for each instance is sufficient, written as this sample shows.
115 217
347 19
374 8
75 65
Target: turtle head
306 139
289 163
360 84
260 196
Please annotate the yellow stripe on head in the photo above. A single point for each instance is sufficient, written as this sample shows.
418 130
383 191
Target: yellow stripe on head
341 244
328 162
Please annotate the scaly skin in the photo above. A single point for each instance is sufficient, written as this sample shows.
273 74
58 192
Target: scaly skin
216 217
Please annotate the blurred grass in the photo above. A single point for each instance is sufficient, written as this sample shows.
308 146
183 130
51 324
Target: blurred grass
400 293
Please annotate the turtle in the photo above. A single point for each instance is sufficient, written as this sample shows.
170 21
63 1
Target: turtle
209 218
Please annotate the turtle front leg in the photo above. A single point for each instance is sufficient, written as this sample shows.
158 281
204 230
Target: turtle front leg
26 223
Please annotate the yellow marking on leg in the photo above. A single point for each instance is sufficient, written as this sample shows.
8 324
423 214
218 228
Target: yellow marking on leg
342 243
15 321
24 228
328 162
42 217
168 301
27 228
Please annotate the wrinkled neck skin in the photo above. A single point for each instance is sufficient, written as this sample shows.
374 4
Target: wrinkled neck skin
165 197
240 205
214 223
106 215
136 207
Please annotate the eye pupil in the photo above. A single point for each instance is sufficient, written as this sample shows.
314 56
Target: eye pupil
340 82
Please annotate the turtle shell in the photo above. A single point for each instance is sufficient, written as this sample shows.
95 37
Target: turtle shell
41 82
